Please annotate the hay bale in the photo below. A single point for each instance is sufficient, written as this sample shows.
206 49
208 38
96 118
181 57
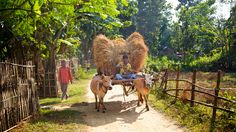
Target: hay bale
108 53
138 51
119 48
102 51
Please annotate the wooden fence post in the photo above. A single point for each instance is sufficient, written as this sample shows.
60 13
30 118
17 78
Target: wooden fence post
177 85
193 88
166 80
217 89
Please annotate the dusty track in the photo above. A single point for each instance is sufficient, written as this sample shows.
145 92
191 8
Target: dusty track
123 116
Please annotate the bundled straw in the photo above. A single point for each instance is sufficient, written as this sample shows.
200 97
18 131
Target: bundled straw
108 53
120 48
103 54
138 51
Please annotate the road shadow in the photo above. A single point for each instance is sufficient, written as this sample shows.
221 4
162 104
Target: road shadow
116 111
62 117
115 96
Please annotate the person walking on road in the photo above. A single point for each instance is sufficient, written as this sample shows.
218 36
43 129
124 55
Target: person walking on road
64 78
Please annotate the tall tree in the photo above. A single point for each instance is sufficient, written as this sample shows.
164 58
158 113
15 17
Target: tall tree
197 26
41 28
152 21
231 26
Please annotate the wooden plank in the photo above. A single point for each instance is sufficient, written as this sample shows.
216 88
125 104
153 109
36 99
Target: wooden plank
8 63
193 88
222 98
213 117
166 79
177 84
19 124
205 104
120 82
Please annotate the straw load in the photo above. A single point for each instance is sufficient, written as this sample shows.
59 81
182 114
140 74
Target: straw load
138 51
119 48
103 55
108 53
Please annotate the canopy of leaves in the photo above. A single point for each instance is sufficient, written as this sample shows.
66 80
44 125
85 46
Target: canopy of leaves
44 25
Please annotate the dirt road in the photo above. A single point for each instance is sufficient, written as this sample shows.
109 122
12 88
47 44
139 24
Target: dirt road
125 116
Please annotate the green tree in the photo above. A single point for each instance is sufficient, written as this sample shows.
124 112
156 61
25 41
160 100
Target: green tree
45 25
153 21
231 27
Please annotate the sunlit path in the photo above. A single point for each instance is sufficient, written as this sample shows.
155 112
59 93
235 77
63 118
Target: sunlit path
124 116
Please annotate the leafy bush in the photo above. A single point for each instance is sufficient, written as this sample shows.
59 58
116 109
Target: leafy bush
206 62
80 73
210 62
157 64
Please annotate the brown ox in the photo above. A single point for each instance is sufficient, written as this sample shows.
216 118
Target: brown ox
99 86
143 86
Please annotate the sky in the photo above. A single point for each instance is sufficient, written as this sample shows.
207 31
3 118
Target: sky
222 10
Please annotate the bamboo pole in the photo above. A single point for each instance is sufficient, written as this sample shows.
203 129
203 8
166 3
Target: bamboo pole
166 80
193 88
177 85
213 118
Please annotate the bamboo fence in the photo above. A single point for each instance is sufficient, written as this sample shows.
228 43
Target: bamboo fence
18 94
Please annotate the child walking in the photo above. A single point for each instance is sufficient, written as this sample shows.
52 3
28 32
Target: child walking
64 78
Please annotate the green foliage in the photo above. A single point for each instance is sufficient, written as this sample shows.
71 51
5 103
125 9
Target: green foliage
157 64
205 62
50 24
197 28
198 40
153 22
80 73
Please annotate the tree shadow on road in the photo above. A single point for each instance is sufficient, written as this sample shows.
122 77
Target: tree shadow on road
116 111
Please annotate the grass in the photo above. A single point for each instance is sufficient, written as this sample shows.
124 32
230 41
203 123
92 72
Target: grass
76 90
65 120
56 121
195 118
184 114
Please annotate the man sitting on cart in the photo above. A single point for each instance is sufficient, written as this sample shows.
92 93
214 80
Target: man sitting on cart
125 70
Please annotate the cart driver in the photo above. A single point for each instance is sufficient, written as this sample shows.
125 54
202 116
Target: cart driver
125 70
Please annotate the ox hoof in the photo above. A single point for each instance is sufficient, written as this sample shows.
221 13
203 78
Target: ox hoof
103 111
97 110
147 108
